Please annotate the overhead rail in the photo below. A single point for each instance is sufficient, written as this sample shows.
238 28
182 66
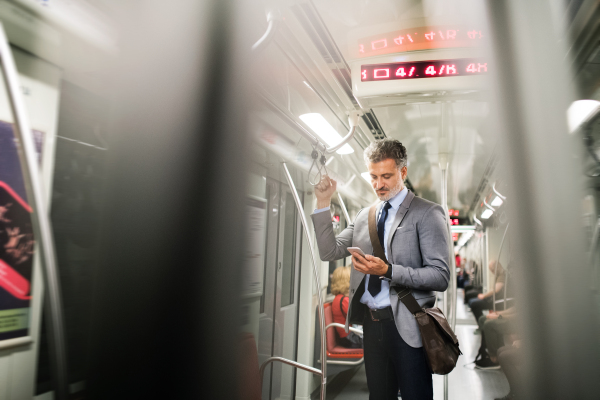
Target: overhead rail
314 141
323 372
40 220
496 269
273 18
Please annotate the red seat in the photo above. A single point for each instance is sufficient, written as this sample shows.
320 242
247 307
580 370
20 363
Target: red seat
250 383
334 349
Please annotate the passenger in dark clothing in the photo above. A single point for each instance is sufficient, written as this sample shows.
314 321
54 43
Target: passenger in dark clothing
510 361
484 301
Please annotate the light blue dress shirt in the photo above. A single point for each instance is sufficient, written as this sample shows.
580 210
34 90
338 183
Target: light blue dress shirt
382 299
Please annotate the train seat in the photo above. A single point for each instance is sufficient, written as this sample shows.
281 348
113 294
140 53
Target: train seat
334 349
250 382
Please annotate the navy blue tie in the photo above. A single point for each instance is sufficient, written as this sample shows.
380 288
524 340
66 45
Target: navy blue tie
374 281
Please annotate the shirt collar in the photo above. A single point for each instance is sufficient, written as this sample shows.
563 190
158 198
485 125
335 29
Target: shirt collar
398 199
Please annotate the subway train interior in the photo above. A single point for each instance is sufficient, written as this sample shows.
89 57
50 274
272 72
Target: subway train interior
158 172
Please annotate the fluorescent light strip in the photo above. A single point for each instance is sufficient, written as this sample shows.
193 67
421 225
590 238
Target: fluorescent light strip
497 202
486 214
325 131
462 228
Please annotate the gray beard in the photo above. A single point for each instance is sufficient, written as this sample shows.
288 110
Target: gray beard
393 191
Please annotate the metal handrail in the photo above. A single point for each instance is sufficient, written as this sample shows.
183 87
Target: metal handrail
497 263
344 209
485 203
350 328
342 142
320 146
273 17
497 193
288 362
337 362
349 363
40 221
323 371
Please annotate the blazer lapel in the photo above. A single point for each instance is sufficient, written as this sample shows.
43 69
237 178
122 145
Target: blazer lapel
399 217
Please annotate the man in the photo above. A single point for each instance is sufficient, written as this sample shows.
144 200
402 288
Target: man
494 327
414 235
485 301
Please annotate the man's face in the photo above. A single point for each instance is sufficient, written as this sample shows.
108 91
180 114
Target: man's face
386 179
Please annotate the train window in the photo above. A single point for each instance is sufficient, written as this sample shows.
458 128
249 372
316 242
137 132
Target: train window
289 252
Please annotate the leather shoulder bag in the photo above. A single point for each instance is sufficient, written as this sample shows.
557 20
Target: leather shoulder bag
439 341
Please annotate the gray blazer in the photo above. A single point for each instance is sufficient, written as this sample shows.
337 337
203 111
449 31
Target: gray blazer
418 250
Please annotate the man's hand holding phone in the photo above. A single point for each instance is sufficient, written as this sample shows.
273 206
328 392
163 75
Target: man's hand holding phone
366 263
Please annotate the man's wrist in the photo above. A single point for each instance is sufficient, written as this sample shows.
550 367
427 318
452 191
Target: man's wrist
323 203
388 273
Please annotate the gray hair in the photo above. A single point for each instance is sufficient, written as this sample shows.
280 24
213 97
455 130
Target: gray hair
384 149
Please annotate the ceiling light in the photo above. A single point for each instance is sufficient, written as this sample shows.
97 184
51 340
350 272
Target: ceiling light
325 131
580 112
366 176
486 214
497 202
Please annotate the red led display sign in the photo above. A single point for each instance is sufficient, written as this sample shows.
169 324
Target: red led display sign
423 69
419 38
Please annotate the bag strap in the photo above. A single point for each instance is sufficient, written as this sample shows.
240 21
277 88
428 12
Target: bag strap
405 296
342 306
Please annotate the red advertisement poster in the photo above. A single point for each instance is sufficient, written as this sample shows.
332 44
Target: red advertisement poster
17 241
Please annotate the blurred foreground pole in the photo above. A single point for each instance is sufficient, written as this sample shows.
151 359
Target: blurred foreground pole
532 92
165 317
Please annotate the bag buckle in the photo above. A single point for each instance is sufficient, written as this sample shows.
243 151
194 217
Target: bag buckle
372 317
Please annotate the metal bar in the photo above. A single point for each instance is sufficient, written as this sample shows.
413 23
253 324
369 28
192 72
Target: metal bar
274 17
342 142
485 203
293 123
497 263
40 220
288 362
497 193
351 363
344 208
351 329
449 299
323 371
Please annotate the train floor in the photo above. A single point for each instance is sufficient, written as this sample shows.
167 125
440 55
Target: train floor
464 383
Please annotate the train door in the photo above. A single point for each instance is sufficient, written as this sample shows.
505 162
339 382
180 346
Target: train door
278 327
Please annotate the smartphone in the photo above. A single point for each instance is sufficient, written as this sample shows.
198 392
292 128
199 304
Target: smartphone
356 250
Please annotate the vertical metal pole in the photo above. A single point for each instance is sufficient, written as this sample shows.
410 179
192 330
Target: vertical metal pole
344 208
496 269
317 281
41 220
449 299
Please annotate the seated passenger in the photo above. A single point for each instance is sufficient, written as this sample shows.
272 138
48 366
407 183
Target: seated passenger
484 301
494 327
340 286
510 361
